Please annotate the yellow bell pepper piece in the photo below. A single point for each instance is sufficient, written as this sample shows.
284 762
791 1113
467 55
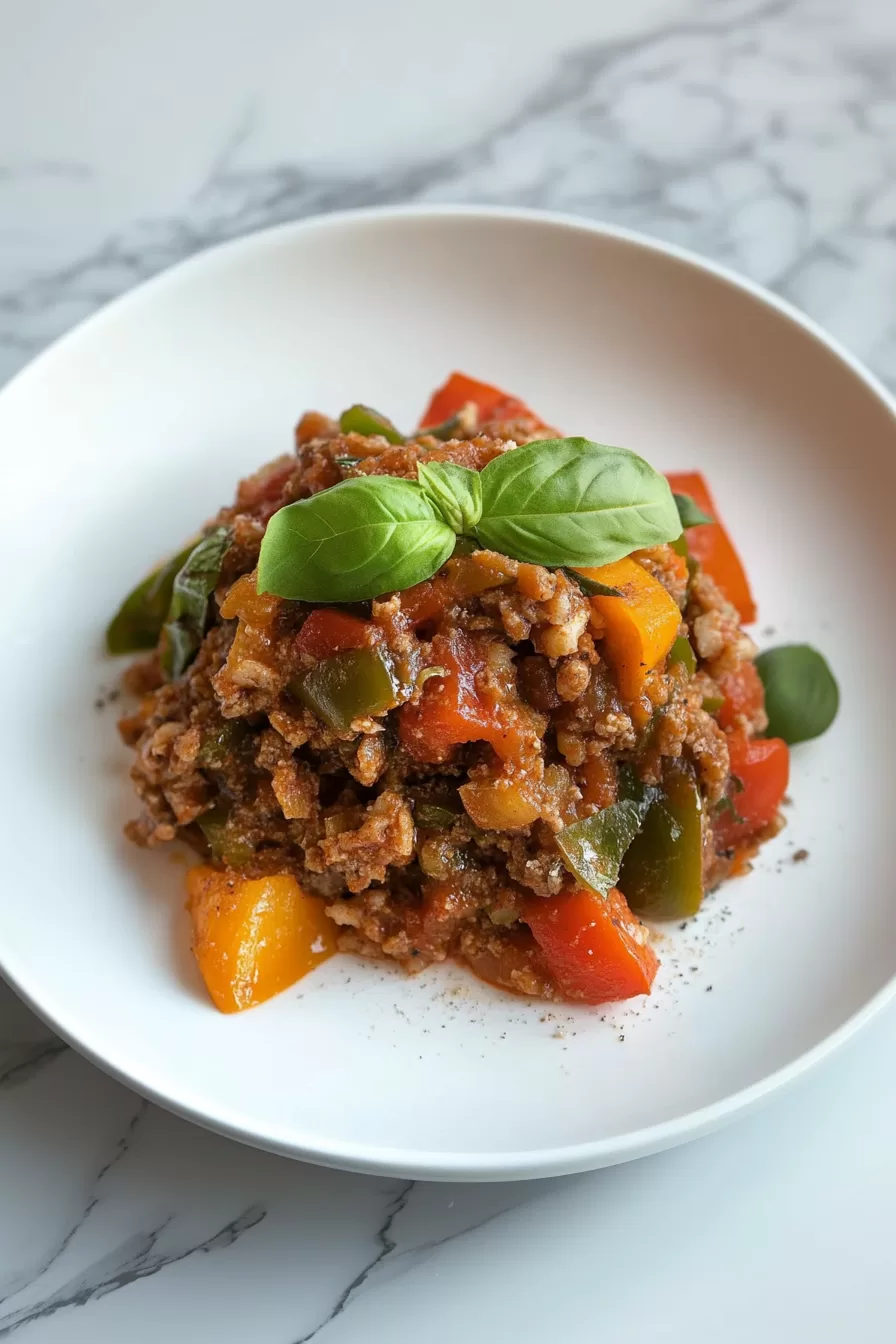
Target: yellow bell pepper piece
639 627
254 937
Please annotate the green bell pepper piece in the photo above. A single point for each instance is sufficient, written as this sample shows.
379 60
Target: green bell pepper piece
435 816
365 420
446 430
137 624
193 585
217 746
348 686
662 872
681 652
226 844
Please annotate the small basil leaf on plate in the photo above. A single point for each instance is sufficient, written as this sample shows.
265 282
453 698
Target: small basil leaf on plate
364 537
137 624
591 587
689 512
194 584
574 502
455 493
365 420
593 849
801 695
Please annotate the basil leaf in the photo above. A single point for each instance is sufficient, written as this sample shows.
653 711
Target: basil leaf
137 624
591 587
194 584
455 493
593 849
801 695
680 545
365 420
574 502
359 539
689 512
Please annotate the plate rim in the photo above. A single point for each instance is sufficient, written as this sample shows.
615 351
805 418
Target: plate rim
435 1165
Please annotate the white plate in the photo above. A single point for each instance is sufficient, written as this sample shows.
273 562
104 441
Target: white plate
133 429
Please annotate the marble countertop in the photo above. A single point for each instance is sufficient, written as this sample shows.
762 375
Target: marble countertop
759 133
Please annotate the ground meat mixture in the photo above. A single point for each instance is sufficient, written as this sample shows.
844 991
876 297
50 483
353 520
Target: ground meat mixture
425 846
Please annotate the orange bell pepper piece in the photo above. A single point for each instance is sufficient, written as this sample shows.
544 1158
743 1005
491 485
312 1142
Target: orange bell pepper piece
493 404
595 948
710 544
254 937
640 626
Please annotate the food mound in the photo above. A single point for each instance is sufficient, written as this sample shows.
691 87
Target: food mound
393 730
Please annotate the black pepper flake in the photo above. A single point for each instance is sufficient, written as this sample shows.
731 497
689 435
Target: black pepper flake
708 989
800 856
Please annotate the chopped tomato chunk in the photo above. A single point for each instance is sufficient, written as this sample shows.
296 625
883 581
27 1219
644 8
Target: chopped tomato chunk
426 600
493 404
475 700
710 544
595 948
328 631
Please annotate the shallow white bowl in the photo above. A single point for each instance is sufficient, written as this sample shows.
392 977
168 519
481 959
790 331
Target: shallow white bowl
130 431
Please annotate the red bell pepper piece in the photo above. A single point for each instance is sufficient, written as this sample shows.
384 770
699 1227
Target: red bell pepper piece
328 631
762 764
595 948
710 544
493 404
744 694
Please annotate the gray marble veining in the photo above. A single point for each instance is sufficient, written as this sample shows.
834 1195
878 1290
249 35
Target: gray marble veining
762 134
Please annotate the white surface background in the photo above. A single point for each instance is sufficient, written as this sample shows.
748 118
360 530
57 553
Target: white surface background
132 135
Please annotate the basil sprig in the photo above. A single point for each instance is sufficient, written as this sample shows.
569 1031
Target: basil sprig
801 695
559 502
456 493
